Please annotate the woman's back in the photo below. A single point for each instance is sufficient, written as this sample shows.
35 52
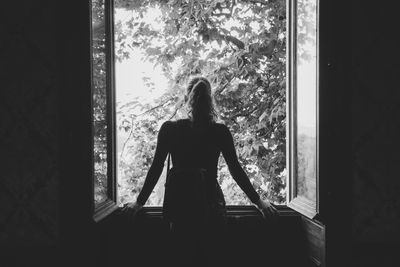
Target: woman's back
194 146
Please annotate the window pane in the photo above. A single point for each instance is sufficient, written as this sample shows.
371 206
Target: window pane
306 99
241 49
99 101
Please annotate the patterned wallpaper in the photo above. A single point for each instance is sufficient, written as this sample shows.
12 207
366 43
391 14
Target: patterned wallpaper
29 125
375 119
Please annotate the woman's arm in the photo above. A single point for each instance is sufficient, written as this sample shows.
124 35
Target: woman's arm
237 172
157 165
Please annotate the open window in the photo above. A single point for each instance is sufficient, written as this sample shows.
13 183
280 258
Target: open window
243 55
303 116
103 106
260 76
302 137
267 83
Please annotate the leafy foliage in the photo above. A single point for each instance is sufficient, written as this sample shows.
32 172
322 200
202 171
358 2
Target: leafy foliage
99 101
240 46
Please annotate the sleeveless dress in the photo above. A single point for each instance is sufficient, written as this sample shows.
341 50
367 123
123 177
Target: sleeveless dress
197 147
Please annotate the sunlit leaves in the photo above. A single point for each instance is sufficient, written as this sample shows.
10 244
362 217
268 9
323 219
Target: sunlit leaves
241 47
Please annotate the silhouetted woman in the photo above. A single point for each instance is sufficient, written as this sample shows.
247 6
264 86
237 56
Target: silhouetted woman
196 143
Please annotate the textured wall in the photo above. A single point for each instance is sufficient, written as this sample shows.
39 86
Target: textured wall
29 133
375 116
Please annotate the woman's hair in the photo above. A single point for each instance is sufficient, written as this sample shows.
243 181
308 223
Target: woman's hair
200 103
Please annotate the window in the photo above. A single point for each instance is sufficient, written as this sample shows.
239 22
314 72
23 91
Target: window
303 107
104 180
158 48
241 47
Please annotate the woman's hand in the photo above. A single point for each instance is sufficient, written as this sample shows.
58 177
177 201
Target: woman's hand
266 208
131 209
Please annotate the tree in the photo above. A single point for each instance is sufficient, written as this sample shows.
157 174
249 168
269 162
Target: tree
240 46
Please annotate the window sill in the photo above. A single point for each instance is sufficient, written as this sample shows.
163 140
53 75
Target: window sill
232 211
104 209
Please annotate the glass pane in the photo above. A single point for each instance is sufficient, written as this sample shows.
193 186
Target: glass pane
240 49
99 101
306 98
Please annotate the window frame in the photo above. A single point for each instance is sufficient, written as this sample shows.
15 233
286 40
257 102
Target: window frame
105 208
301 204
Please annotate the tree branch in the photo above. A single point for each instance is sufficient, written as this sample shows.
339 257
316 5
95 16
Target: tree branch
262 2
156 107
220 90
228 15
213 34
127 139
245 114
272 129
175 111
134 116
233 40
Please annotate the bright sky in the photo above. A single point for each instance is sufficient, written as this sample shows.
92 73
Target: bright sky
306 98
129 79
129 73
307 86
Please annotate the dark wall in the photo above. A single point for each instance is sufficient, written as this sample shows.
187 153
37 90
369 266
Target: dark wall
248 241
375 114
45 190
43 68
29 130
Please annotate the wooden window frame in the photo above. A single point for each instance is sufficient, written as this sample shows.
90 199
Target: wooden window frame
105 208
298 203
